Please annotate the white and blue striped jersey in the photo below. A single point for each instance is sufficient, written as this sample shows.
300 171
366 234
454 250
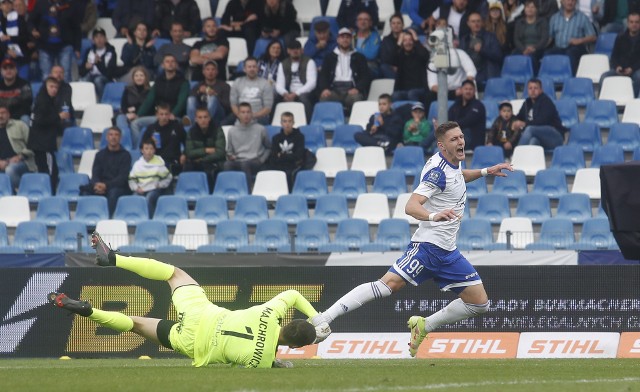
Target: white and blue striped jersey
444 187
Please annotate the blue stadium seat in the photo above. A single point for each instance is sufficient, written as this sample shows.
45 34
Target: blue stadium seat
91 209
251 209
514 185
328 115
585 135
313 137
574 206
231 185
272 130
212 209
34 186
272 235
474 234
351 234
517 68
578 89
311 234
230 235
493 207
52 210
486 156
548 87
636 154
260 47
390 182
433 109
171 249
596 234
500 89
331 208
69 185
5 185
160 42
170 209
132 209
557 67
550 182
85 46
607 154
125 141
291 208
349 183
492 111
112 94
150 235
555 233
192 185
75 140
602 112
604 43
568 111
343 137
534 206
393 234
409 159
66 236
568 158
626 135
35 88
30 235
4 238
310 183
65 162
474 188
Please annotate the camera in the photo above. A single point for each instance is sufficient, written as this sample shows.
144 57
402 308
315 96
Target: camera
437 37
443 53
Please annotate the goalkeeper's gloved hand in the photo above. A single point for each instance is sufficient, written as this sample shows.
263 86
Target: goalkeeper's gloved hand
322 328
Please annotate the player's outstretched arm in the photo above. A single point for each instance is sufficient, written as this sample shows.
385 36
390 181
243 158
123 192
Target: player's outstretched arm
495 170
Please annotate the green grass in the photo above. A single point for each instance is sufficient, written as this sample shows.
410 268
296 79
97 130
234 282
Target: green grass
115 375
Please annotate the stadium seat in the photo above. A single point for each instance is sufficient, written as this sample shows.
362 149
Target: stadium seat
5 185
587 181
271 184
237 51
192 185
260 47
632 112
292 208
295 108
515 233
618 89
114 232
534 206
349 183
379 87
625 135
557 67
578 89
492 111
97 117
91 209
517 68
586 135
529 159
311 234
592 66
190 233
4 238
328 115
398 210
636 154
409 159
171 249
65 162
343 137
307 10
393 234
575 207
486 156
351 234
313 137
150 235
514 185
83 94
52 210
607 155
311 184
132 209
500 89
75 140
222 6
170 209
516 104
391 183
602 112
331 208
160 42
272 235
112 95
373 207
272 130
474 234
330 160
191 40
370 160
86 162
550 182
231 185
361 111
493 207
596 234
568 158
476 188
555 233
34 186
433 109
230 235
30 235
69 185
568 111
604 43
71 236
15 209
251 209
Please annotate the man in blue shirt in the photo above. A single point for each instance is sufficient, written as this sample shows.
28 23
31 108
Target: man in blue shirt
570 31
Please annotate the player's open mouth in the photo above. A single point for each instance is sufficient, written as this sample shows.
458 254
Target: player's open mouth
460 150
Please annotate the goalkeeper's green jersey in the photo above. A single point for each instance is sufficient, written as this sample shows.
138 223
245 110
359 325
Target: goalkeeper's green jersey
246 337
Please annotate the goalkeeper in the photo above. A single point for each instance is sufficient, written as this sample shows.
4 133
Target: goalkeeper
204 332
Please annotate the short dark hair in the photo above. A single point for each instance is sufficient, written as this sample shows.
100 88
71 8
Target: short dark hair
287 114
251 58
163 106
299 333
536 81
148 141
244 104
321 26
397 15
176 23
115 129
385 96
51 79
444 127
202 109
467 81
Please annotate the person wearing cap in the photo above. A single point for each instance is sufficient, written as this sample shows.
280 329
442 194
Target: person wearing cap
496 23
185 12
240 19
350 9
384 128
411 77
212 47
345 76
297 78
15 92
321 42
502 132
470 114
211 93
366 40
99 63
483 48
418 128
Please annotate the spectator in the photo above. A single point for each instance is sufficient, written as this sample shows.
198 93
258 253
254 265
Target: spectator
466 71
56 28
213 46
248 146
287 149
411 78
612 14
496 23
139 50
185 12
456 15
350 9
133 97
421 14
570 32
418 129
110 173
89 16
15 38
99 63
63 100
502 132
539 119
531 34
253 90
367 42
345 75
169 137
171 88
240 19
277 20
297 78
390 46
149 177
15 92
483 48
177 48
470 114
211 94
270 61
128 14
15 158
205 147
513 10
384 128
625 57
321 43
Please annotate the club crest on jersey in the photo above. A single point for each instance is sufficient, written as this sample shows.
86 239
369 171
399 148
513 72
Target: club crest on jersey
433 176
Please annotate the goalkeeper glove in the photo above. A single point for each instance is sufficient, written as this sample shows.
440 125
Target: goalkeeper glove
322 328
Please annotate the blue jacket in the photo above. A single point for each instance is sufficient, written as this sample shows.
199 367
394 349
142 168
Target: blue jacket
316 54
369 47
543 112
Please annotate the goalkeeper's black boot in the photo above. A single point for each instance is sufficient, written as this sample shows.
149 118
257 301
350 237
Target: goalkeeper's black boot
105 256
83 308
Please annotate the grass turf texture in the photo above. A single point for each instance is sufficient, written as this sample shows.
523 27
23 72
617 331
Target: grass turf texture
521 375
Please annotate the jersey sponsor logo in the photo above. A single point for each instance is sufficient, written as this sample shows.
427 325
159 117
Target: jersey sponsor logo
629 345
365 345
568 345
469 345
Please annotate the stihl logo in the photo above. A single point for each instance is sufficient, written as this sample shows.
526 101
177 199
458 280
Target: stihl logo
467 346
635 349
629 345
365 347
578 346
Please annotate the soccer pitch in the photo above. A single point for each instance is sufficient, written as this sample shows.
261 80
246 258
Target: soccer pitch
323 375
